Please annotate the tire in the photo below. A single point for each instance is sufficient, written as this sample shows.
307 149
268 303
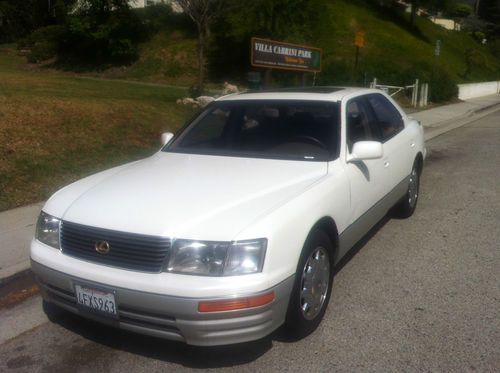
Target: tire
407 205
313 286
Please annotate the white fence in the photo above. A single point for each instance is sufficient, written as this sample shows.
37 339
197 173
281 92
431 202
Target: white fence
419 92
472 90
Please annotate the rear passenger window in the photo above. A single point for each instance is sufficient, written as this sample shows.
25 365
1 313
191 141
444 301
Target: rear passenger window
389 119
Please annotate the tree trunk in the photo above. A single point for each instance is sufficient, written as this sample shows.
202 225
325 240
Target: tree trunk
413 14
201 58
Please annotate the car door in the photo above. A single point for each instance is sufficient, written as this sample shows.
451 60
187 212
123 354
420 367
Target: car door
398 146
368 178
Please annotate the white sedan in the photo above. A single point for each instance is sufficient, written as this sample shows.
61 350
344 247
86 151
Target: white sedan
234 227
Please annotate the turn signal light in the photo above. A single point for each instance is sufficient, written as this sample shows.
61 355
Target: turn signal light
236 304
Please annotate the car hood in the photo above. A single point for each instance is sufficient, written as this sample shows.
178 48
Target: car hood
185 195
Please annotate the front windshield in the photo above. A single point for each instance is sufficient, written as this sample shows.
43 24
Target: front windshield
282 129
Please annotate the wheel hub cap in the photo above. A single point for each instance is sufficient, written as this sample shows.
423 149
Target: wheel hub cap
314 283
413 188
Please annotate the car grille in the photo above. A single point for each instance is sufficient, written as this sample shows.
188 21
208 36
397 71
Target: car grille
126 250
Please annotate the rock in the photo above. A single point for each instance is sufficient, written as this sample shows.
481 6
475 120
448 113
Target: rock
229 88
204 100
189 101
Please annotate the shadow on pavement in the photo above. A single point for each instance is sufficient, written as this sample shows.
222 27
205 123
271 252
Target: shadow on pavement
361 243
159 349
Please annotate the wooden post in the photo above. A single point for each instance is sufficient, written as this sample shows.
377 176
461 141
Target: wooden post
267 78
303 79
415 94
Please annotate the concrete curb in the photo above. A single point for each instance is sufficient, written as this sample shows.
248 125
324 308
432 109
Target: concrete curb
17 227
15 272
470 116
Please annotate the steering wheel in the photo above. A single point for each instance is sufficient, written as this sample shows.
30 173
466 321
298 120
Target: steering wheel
310 140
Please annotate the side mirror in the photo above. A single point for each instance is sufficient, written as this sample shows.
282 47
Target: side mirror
166 137
364 150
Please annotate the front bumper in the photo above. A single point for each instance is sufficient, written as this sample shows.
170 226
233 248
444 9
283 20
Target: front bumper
172 317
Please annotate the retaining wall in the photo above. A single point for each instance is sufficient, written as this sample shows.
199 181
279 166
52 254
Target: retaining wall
472 90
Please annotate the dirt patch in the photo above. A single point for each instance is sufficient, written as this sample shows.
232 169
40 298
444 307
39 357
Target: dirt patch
18 289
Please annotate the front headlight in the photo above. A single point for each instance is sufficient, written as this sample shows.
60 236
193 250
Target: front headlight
47 230
209 258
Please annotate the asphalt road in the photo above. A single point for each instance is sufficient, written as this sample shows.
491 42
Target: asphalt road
421 294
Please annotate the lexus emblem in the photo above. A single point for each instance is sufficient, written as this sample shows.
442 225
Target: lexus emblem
102 247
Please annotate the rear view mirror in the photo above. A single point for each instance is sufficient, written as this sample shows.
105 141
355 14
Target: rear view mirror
364 150
166 137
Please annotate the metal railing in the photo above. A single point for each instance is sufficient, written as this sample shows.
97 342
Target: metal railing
419 92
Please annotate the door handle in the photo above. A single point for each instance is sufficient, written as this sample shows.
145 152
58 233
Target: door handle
412 144
386 164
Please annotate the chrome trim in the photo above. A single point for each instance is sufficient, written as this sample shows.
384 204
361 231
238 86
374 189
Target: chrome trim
131 251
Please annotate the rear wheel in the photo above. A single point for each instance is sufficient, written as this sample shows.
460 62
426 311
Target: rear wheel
312 287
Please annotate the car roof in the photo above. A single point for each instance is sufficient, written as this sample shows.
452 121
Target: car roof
305 93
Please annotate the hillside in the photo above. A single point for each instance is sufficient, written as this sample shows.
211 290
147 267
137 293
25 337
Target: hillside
394 52
393 47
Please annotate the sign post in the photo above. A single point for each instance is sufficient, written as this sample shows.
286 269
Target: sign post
437 49
359 42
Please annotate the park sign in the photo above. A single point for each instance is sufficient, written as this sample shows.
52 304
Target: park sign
277 55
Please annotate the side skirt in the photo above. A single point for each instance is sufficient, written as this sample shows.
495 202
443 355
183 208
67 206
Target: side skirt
356 231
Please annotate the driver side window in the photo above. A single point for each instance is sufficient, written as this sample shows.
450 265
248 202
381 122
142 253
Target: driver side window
358 122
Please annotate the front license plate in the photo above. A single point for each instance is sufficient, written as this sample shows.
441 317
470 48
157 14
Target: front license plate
96 300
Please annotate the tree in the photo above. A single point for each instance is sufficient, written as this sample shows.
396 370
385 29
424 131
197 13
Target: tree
489 11
202 12
294 21
461 10
20 18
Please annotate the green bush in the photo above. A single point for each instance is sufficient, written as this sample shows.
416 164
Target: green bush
494 47
122 50
335 73
461 10
479 36
43 44
89 39
173 69
158 17
87 42
42 51
442 86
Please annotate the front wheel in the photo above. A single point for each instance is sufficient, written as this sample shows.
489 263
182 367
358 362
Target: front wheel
312 287
406 207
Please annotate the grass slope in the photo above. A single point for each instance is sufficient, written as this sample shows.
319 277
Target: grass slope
169 57
392 47
56 128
